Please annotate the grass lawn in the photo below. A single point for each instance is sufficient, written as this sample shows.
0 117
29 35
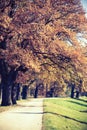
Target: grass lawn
65 114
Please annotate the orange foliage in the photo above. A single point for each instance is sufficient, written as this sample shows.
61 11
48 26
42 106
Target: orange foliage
38 32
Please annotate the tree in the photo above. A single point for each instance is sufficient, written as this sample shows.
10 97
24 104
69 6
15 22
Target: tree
39 85
41 35
18 91
24 92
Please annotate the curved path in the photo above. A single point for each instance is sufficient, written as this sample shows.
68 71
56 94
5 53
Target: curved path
26 116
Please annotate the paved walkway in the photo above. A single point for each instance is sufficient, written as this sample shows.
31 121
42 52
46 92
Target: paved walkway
27 116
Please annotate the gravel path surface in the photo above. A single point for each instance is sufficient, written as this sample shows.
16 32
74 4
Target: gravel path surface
27 116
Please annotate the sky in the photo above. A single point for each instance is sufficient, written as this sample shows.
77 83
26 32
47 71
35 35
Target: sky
84 3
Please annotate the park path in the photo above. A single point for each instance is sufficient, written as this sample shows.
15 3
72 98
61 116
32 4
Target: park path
26 116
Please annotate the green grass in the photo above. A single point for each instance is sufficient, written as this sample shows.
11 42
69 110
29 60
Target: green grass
65 114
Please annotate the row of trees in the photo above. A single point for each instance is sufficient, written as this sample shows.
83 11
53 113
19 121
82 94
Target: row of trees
41 40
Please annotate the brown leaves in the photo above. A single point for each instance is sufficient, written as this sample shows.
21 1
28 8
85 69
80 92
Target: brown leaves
43 36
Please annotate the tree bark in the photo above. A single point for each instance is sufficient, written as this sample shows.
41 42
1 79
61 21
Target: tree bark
51 92
24 92
78 91
36 92
13 94
46 90
77 94
18 94
0 90
7 79
72 90
6 94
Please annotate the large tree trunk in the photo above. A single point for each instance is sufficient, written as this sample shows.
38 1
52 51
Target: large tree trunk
5 83
7 90
6 94
8 77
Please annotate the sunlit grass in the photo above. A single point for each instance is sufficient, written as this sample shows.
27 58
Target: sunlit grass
65 114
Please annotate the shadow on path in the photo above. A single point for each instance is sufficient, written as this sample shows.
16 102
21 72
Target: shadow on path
29 105
27 112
